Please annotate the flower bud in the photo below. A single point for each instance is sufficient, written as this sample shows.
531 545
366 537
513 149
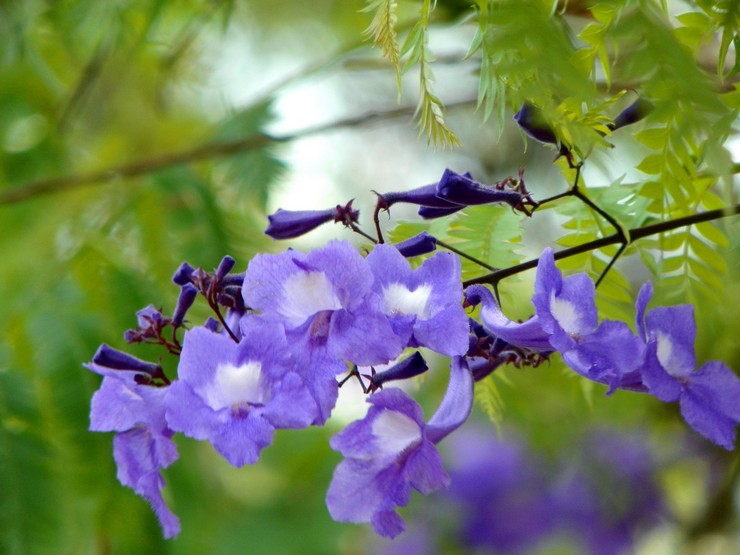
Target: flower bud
461 189
422 243
533 123
407 368
633 113
188 293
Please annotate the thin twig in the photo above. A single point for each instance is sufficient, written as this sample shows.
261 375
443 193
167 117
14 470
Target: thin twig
635 234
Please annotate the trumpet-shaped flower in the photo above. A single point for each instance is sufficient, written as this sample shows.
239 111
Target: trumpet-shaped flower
143 444
423 305
236 395
391 451
708 396
324 300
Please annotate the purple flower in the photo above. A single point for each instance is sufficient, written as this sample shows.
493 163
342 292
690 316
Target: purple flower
235 395
424 305
287 224
709 396
566 320
391 451
143 444
608 352
326 297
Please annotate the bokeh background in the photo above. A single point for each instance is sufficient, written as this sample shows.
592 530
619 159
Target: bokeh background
136 134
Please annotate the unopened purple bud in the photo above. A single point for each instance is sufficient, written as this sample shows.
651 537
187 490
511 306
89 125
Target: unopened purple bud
225 266
533 123
188 293
114 359
463 190
183 273
287 224
422 243
424 196
408 368
431 213
633 113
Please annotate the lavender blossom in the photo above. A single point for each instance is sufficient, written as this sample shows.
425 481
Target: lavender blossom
324 300
236 395
143 444
708 396
608 352
391 451
423 305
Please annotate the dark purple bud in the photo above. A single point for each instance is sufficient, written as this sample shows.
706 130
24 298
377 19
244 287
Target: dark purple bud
633 113
111 362
533 123
188 293
431 213
408 368
424 196
212 324
225 266
416 245
286 224
183 273
463 190
114 359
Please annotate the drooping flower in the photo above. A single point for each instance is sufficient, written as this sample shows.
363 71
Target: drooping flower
236 395
708 396
143 443
423 305
391 451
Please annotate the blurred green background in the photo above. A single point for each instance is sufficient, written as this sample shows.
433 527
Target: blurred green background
106 186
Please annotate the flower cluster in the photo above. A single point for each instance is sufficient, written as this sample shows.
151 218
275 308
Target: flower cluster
660 360
285 331
293 323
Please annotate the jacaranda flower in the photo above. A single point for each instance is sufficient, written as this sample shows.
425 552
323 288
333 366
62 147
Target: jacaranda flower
710 396
423 305
391 451
143 444
236 395
325 301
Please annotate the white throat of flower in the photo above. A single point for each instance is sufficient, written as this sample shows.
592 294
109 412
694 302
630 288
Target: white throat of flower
664 350
305 294
235 386
394 432
399 300
565 314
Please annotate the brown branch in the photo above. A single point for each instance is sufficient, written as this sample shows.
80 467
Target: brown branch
211 150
